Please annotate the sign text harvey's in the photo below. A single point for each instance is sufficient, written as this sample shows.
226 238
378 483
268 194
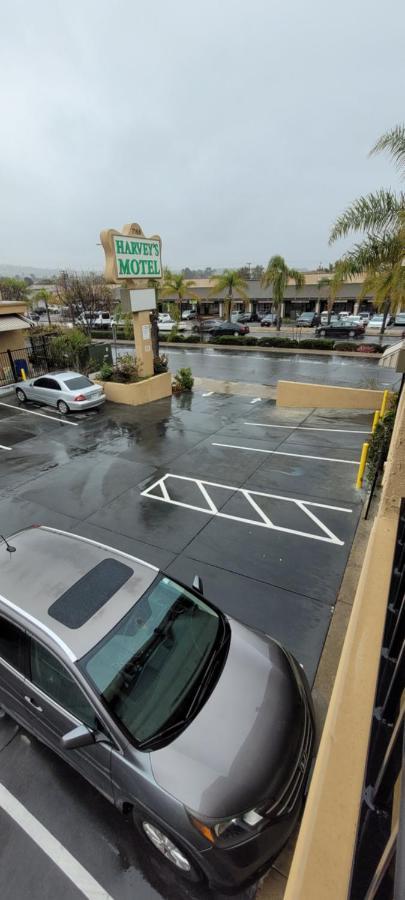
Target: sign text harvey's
130 256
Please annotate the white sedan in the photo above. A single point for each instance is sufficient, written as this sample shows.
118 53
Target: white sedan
68 391
168 324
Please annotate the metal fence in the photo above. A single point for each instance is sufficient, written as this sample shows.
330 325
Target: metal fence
379 862
40 356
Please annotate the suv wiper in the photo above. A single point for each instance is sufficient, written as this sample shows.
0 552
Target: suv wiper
149 742
206 681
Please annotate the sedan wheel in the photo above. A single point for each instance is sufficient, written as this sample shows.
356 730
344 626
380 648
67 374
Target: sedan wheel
352 334
20 395
322 332
63 407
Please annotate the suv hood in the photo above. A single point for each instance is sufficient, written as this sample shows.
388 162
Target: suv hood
244 743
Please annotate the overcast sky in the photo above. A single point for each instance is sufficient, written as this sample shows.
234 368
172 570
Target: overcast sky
234 129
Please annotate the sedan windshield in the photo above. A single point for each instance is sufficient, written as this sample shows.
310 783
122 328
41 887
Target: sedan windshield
151 667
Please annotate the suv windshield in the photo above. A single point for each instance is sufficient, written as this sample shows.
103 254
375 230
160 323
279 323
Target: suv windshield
151 668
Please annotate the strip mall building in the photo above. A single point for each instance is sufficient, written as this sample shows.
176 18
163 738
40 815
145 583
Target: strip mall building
311 298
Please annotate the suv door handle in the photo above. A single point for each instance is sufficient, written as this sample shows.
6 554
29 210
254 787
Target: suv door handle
32 703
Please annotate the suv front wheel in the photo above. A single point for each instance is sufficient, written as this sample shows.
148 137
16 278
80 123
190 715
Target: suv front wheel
164 846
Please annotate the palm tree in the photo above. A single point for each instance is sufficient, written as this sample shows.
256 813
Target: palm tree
181 287
47 297
277 275
231 282
324 282
380 255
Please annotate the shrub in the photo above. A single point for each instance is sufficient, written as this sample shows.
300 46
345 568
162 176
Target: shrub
163 338
160 364
368 348
192 339
106 371
69 349
380 442
126 370
250 341
175 337
345 345
318 344
277 342
183 380
228 339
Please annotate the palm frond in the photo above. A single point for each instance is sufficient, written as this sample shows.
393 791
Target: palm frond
376 212
394 142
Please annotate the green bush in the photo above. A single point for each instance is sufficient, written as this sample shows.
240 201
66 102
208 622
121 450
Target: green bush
380 441
277 342
106 371
250 341
228 339
184 380
175 337
192 339
107 335
345 345
318 344
163 338
160 364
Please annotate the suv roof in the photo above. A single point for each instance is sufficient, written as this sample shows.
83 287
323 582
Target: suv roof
53 581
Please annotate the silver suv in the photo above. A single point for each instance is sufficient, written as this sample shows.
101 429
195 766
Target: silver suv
199 726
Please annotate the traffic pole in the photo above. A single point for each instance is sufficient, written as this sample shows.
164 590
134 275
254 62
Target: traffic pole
375 420
362 465
384 404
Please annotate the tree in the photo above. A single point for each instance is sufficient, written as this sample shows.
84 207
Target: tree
380 255
325 283
277 275
84 293
231 282
13 289
181 287
47 297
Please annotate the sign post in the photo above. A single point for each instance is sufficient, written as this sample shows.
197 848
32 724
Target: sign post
132 260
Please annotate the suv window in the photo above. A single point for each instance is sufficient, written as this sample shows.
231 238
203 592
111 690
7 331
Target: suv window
11 644
50 675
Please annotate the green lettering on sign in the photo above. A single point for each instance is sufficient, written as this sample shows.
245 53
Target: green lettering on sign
134 264
119 246
123 267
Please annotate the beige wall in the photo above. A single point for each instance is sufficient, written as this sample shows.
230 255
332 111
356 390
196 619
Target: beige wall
322 862
8 307
141 392
12 340
294 393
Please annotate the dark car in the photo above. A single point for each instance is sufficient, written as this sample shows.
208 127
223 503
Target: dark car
206 325
228 328
248 317
341 328
268 320
308 320
198 727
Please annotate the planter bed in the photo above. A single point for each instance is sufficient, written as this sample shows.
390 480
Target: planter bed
138 392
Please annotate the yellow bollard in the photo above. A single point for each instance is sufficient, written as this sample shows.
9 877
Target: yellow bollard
362 465
384 404
23 375
375 420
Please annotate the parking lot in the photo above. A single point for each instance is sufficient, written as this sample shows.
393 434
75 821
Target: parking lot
260 502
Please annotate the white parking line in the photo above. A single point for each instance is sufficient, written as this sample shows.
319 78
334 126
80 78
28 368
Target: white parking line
256 400
349 462
211 509
43 415
2 447
306 428
208 394
52 847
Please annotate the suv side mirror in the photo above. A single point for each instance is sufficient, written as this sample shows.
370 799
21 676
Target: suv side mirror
82 736
198 585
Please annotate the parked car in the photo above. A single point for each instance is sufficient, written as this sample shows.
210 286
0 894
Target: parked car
68 391
168 324
205 325
164 317
376 322
324 317
198 726
365 316
400 319
228 328
243 318
189 314
308 320
268 320
341 328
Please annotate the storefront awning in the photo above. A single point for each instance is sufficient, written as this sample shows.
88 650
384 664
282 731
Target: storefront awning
13 323
394 357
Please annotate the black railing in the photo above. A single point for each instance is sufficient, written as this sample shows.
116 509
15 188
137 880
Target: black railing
40 356
379 859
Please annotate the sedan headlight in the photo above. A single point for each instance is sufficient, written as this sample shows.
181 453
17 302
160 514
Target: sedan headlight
229 831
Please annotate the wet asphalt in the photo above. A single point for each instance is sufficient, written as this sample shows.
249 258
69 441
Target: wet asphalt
100 477
270 368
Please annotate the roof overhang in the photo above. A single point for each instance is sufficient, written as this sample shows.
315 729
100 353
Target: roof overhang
13 323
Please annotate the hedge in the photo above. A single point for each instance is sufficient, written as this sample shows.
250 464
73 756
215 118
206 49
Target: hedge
319 344
277 342
345 345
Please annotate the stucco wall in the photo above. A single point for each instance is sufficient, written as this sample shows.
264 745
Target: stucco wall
294 393
141 392
12 340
